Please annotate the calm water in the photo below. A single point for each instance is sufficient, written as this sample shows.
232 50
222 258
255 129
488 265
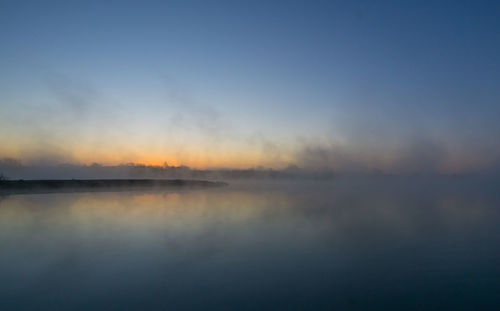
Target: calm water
349 244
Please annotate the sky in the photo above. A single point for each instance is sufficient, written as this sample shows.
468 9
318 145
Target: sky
345 85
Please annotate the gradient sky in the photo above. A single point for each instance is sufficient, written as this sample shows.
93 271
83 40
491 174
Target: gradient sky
391 85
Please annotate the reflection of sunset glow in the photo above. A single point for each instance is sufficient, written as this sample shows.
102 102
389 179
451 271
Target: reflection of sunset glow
249 155
314 234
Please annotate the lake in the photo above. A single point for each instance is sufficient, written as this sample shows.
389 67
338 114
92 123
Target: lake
352 243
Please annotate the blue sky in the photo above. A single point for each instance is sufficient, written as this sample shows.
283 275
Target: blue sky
247 83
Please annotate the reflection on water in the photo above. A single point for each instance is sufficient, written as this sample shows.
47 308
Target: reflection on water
347 244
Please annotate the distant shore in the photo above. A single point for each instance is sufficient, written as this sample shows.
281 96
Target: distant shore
90 185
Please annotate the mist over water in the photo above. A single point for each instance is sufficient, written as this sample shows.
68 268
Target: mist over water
379 243
359 142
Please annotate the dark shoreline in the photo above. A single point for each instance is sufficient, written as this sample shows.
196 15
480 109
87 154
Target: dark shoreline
94 185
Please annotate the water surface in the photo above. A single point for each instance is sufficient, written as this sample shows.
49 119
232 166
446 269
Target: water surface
347 244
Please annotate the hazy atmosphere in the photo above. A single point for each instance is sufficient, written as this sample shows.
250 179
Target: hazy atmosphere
249 155
394 86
